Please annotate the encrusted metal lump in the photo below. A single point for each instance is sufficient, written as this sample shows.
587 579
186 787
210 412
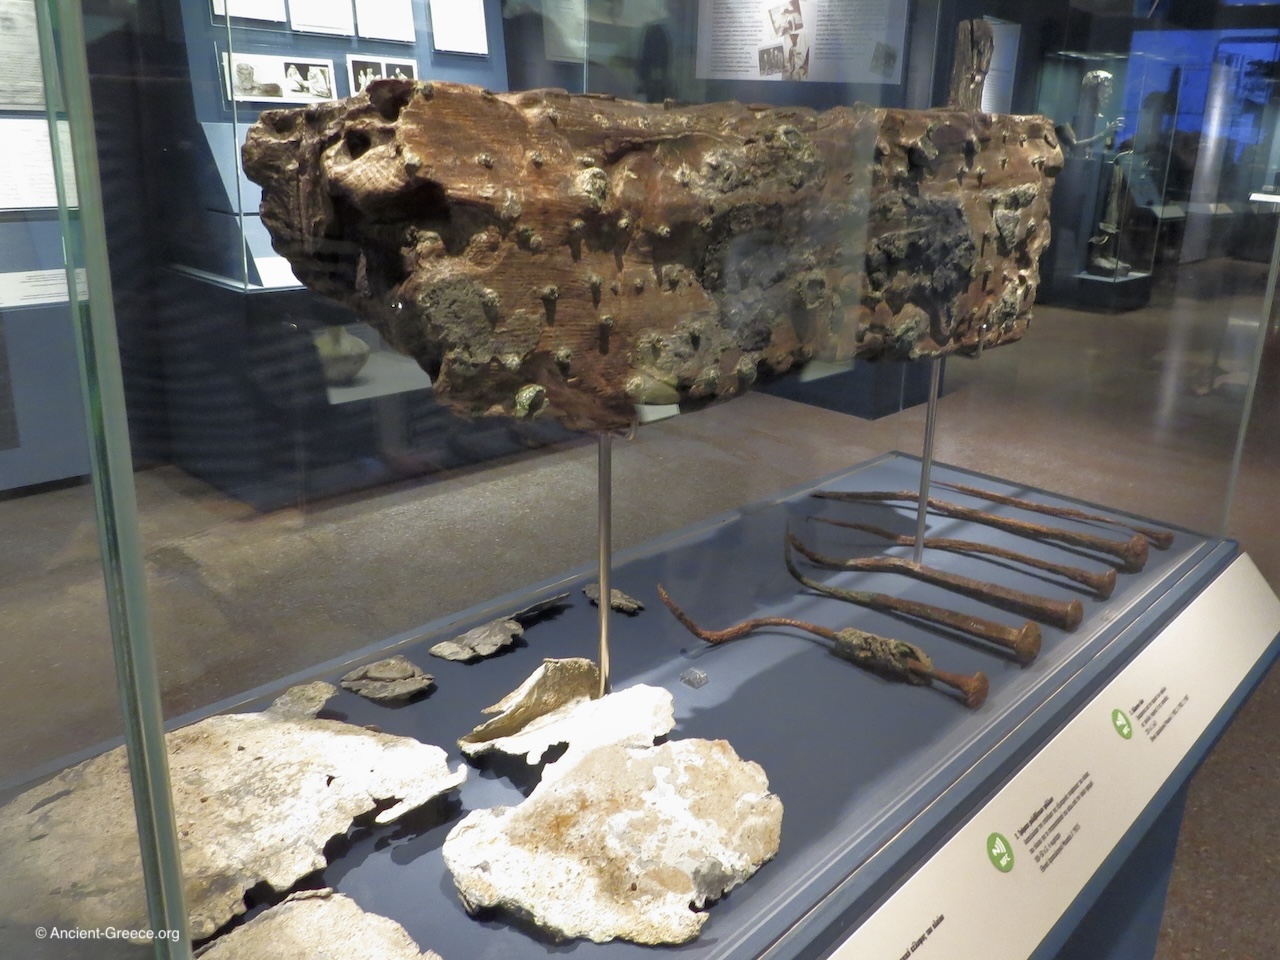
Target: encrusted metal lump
543 254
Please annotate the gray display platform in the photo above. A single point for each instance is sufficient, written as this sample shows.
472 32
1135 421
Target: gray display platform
871 773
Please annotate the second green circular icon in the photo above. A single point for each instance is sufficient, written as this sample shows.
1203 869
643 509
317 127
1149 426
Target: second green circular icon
1000 850
1120 721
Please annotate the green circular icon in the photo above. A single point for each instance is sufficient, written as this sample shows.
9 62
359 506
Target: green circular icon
1000 850
1121 722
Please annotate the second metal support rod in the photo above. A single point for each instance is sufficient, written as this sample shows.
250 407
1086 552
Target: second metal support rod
604 526
926 464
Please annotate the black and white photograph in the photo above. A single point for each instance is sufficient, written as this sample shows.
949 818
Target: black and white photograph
773 60
253 77
786 18
306 78
400 69
797 56
362 71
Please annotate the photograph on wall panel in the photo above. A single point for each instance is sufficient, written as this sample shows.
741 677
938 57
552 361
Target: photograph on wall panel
258 78
363 70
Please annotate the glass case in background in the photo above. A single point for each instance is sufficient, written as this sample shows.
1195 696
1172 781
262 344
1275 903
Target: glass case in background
1113 215
306 506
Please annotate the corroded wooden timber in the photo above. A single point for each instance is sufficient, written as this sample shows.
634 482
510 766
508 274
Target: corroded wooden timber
548 254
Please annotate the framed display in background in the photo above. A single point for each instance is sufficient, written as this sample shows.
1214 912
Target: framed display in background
836 41
270 10
322 16
27 180
21 87
386 20
363 70
257 78
458 26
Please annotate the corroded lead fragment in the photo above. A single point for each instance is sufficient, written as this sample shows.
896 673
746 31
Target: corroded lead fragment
256 796
390 680
315 925
617 599
489 638
605 253
629 842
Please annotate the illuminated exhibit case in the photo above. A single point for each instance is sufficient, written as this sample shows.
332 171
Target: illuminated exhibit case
286 535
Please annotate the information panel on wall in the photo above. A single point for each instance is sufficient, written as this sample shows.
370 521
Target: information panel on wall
271 11
21 87
837 41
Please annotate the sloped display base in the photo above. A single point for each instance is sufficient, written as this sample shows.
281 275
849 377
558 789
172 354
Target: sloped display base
870 773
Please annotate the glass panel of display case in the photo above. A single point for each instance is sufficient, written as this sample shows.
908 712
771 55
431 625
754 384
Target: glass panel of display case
60 704
378 311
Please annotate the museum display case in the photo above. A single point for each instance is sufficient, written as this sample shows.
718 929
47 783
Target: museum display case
1112 210
388 363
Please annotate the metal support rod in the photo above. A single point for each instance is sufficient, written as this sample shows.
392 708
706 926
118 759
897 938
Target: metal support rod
926 463
604 527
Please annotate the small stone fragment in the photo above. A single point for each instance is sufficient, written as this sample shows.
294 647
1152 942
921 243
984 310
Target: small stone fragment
534 611
479 642
488 638
314 925
629 842
387 680
617 599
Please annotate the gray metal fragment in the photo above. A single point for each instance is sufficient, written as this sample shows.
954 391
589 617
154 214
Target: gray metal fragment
316 925
389 680
256 797
479 642
535 610
617 599
488 638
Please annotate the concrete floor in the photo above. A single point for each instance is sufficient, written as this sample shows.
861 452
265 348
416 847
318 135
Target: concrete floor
1138 411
